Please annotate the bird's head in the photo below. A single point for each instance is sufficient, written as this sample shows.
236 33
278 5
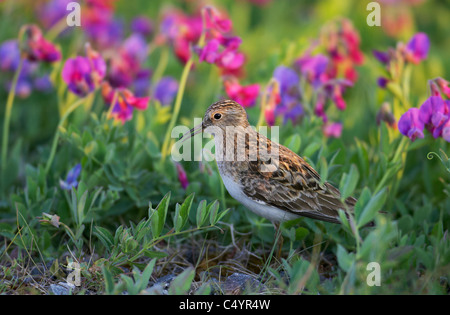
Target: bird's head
221 115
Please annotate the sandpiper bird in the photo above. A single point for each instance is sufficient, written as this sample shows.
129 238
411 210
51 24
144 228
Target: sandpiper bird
268 178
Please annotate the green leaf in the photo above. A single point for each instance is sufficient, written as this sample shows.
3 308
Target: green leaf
109 281
323 170
362 202
301 233
373 206
142 282
213 209
348 182
104 236
159 216
184 211
312 148
294 142
345 259
201 213
182 283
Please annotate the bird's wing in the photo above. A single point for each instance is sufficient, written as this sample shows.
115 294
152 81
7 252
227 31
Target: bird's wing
294 186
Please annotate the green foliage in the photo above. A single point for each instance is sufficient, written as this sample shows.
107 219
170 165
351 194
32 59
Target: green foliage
108 221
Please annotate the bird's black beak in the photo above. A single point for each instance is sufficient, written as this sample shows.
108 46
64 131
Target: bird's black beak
196 130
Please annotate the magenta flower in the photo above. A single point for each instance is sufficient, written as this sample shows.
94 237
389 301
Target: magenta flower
127 63
165 90
181 31
244 95
217 21
125 103
223 52
434 113
182 176
446 130
333 130
84 74
417 48
37 48
410 124
342 43
443 86
100 26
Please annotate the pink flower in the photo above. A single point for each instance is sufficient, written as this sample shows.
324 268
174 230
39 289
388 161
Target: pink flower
342 42
244 95
446 131
125 103
444 86
274 99
84 74
332 130
181 31
182 177
126 65
216 20
37 48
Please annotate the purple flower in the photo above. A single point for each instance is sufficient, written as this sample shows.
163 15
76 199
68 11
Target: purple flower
165 90
287 79
382 82
313 68
43 83
9 55
382 57
71 179
434 113
410 124
52 12
417 48
23 87
83 74
289 106
142 25
141 84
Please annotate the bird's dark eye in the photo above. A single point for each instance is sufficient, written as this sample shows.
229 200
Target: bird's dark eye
217 116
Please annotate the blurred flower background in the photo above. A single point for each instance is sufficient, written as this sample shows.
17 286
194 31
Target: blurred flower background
88 112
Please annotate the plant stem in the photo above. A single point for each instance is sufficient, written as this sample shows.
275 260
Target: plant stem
162 65
182 86
177 107
8 110
56 138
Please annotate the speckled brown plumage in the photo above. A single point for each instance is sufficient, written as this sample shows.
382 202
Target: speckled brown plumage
277 178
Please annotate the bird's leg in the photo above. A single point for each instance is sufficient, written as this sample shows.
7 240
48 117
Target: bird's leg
278 239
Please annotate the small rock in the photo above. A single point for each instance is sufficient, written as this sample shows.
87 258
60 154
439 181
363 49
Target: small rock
62 288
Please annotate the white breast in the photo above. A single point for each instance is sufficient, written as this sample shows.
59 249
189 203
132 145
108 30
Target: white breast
260 208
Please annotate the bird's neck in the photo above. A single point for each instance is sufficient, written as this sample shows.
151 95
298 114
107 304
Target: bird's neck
239 144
